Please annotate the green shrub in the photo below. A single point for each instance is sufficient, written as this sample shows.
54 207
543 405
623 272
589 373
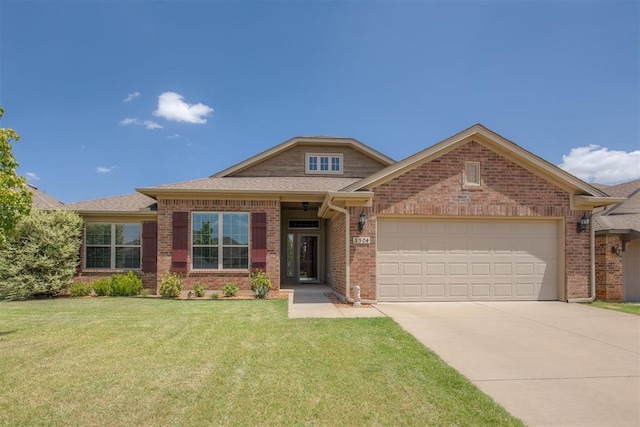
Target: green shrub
102 287
81 289
230 290
199 290
170 285
214 295
39 259
260 284
126 285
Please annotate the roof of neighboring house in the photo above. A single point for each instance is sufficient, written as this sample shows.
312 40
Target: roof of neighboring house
625 216
42 200
135 202
305 140
255 184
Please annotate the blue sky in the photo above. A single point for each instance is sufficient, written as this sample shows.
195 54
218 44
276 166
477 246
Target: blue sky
112 95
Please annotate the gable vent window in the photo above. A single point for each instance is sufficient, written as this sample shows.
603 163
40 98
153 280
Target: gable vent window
472 173
323 163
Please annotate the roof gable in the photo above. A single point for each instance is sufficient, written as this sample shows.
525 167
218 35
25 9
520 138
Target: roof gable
42 200
493 141
317 141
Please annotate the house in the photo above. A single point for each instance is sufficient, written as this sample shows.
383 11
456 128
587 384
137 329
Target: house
473 217
617 231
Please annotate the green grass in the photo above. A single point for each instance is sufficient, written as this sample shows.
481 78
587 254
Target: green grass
626 307
147 361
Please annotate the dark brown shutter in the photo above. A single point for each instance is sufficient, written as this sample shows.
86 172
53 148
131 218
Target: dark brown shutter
180 247
259 241
149 247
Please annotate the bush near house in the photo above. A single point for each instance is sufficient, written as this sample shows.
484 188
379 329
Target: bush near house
40 258
230 290
102 287
260 284
81 289
125 285
199 290
170 285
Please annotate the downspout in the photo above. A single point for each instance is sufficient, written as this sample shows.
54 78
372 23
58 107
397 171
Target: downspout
347 251
592 256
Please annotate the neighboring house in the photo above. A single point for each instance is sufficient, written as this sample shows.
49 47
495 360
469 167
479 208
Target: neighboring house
617 232
474 217
41 200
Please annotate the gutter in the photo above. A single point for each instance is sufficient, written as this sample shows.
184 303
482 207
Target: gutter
592 256
347 250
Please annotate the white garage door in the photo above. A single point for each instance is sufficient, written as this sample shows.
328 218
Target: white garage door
466 260
631 277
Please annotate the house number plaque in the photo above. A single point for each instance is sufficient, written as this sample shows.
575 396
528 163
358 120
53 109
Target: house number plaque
361 240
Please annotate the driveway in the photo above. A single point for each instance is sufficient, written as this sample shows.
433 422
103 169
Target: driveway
547 363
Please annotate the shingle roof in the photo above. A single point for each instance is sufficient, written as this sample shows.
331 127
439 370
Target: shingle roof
616 222
622 190
259 184
125 203
42 200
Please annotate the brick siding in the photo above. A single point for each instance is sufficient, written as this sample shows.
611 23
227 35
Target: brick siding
609 272
214 280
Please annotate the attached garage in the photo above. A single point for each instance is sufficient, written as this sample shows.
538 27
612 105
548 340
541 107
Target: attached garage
467 259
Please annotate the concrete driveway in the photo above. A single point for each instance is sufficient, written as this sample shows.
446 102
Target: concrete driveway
547 363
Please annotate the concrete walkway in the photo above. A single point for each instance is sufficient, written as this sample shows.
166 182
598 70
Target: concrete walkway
311 301
547 363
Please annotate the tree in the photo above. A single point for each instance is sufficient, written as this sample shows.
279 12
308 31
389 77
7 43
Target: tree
15 197
39 258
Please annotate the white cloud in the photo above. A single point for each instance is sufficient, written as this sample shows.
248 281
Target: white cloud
131 96
600 165
171 106
129 121
174 136
105 169
32 176
148 124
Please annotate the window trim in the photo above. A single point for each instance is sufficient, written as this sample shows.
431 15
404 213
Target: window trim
330 157
112 245
220 244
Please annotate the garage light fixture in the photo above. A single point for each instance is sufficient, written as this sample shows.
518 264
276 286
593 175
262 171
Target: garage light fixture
583 225
362 220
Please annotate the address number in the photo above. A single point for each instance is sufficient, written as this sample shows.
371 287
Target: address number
361 240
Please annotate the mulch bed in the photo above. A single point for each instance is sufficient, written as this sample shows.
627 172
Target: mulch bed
343 304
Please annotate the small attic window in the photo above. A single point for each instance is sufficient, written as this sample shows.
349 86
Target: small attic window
321 164
472 173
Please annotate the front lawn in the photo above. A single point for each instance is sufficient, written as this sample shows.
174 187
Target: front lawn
627 307
147 361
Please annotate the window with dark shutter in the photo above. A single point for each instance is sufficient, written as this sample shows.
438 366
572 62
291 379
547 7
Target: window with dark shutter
149 247
259 241
180 246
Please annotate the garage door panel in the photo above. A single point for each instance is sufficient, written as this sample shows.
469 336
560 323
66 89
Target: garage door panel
473 260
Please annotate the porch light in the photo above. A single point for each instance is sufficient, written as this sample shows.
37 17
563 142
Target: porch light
583 225
305 206
362 220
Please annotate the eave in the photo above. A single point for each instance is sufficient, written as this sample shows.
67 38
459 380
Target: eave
582 202
357 198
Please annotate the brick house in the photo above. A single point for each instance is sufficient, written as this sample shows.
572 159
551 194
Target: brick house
473 217
617 231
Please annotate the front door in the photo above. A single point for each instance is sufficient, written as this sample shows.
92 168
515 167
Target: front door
307 258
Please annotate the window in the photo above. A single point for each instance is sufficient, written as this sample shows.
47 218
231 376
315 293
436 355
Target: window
323 163
220 241
112 246
472 173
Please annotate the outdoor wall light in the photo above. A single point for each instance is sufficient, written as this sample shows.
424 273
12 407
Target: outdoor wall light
616 249
583 224
305 206
362 220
